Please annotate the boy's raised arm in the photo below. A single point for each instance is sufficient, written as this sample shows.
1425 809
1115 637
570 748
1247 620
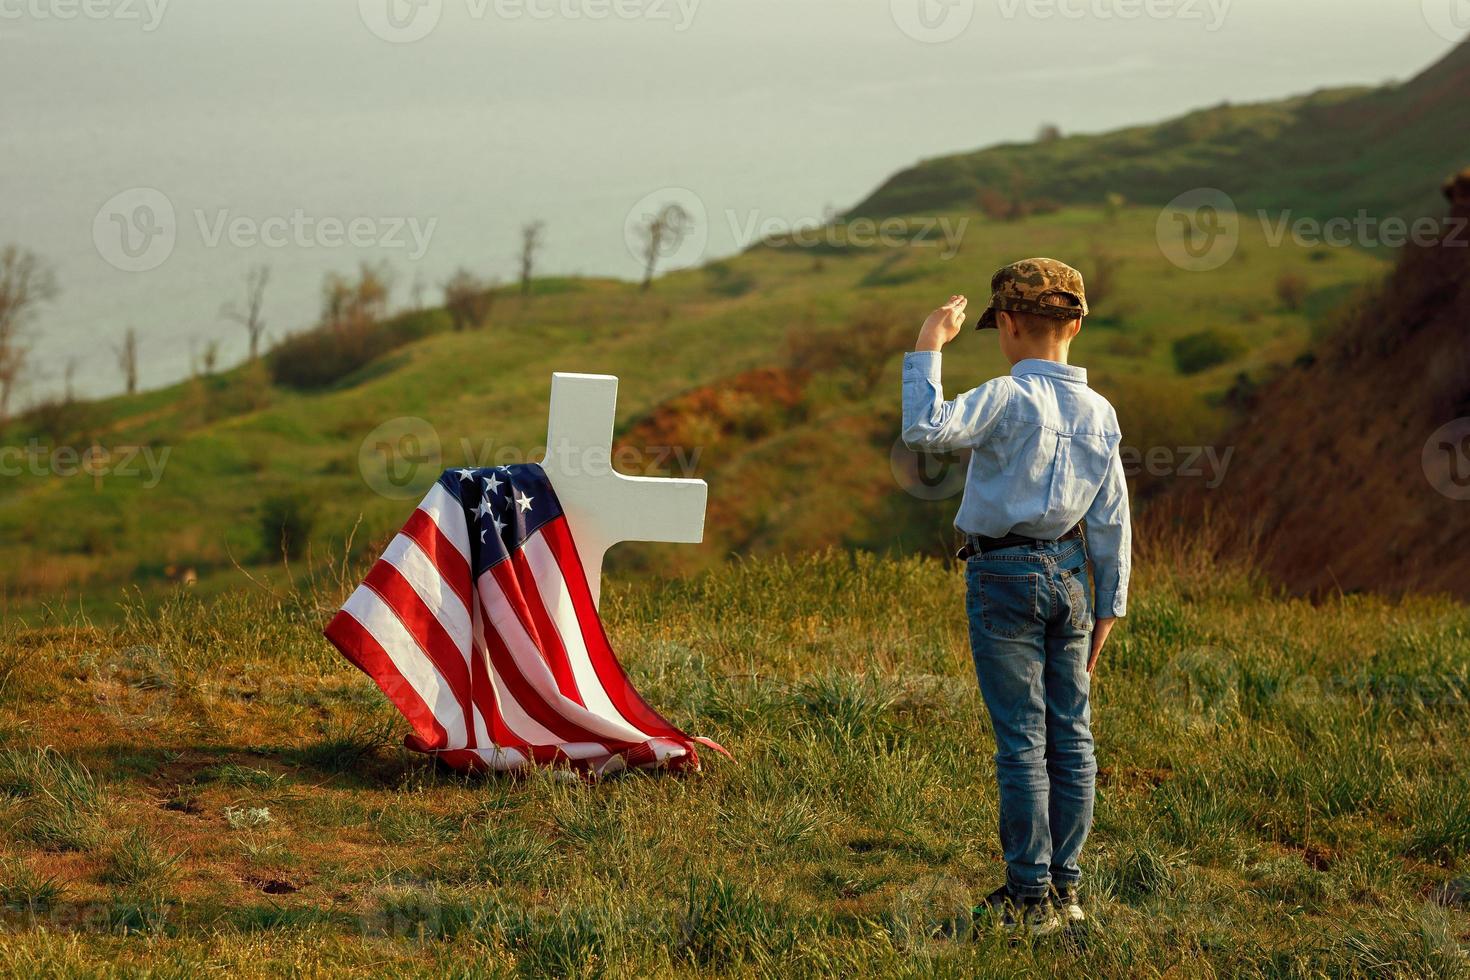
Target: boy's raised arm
929 422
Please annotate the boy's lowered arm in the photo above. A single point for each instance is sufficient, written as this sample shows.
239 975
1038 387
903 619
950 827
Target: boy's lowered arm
932 424
1110 541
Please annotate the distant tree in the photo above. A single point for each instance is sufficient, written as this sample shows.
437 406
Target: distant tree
1113 204
69 377
468 300
1291 290
127 359
1205 349
531 241
1049 133
25 283
662 233
250 317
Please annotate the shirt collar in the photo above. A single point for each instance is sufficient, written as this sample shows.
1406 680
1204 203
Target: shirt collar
1054 369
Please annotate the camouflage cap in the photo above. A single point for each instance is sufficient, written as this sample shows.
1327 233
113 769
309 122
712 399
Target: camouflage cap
1043 286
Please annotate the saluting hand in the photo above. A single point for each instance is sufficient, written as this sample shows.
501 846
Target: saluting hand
943 325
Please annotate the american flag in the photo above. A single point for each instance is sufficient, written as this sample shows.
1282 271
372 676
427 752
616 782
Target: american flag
478 625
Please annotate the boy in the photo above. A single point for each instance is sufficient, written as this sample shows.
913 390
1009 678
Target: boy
1044 461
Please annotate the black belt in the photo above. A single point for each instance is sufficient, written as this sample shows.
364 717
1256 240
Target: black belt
979 544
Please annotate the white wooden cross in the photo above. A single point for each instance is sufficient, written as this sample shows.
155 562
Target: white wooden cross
602 505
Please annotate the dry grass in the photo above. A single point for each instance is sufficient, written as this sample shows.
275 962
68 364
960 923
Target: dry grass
208 787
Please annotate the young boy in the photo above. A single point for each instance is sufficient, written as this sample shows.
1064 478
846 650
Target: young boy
1044 472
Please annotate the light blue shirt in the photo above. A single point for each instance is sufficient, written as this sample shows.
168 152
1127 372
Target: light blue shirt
1044 457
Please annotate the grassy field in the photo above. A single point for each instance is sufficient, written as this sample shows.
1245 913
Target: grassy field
226 445
208 787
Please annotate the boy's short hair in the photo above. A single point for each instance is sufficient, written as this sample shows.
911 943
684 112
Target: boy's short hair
1042 325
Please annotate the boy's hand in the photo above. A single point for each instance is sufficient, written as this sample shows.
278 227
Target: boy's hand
1099 637
943 325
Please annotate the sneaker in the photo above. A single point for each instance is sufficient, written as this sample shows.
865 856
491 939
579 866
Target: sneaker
1067 901
1033 916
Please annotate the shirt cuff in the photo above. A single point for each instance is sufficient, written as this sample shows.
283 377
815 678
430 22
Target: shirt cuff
1112 604
921 365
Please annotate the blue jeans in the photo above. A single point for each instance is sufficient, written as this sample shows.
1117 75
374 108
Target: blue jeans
1031 619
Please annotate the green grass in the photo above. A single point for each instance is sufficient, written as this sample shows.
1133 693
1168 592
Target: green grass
1281 794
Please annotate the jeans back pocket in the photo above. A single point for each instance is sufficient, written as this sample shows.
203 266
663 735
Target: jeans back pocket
1079 600
1008 603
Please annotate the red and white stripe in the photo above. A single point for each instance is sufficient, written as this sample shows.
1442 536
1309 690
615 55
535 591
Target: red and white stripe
510 671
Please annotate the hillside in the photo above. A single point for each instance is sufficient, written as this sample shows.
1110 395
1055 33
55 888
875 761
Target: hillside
1352 470
1331 153
797 454
773 372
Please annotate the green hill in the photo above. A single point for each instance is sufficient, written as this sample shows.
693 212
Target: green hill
798 460
775 371
1328 154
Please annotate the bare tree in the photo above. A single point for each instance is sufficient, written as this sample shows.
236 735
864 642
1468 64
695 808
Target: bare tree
250 317
1048 133
210 360
69 377
25 283
531 241
127 359
662 233
358 305
468 300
